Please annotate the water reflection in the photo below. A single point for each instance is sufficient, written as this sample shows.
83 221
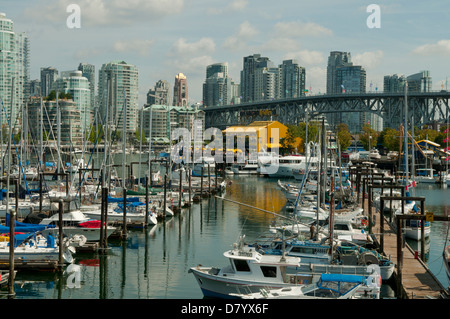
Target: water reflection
154 262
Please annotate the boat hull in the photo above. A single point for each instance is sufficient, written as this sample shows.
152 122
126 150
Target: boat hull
217 286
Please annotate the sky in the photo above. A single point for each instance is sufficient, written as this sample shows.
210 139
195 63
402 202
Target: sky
166 37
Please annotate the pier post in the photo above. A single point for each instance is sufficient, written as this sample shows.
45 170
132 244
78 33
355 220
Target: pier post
209 180
189 172
146 201
165 197
12 225
181 191
124 226
60 233
201 182
399 255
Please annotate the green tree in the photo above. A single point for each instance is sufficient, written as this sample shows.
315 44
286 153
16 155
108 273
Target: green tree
391 139
368 134
343 136
288 142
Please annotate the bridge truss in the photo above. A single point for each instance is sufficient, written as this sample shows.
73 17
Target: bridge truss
423 108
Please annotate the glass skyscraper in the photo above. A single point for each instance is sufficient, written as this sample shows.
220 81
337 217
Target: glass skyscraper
14 65
117 83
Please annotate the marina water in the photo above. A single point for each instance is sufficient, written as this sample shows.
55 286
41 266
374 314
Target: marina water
154 262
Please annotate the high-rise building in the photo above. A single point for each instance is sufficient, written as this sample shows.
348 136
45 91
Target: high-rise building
394 83
14 68
71 132
79 87
160 94
48 77
293 79
165 119
336 60
217 68
117 83
419 82
218 88
180 91
351 79
256 70
88 71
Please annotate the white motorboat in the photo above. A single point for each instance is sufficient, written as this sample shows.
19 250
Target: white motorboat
36 248
413 228
75 222
425 175
286 166
248 268
330 286
250 167
374 154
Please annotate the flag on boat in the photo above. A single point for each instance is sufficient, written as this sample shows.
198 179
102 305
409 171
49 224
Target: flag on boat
410 185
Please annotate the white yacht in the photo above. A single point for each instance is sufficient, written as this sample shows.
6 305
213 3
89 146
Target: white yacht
286 165
250 167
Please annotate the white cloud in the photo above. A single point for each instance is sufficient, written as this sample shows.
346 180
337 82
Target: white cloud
235 5
368 60
441 47
202 46
306 57
104 12
142 47
239 40
300 29
316 78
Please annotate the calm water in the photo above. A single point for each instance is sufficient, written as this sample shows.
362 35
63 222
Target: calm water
154 263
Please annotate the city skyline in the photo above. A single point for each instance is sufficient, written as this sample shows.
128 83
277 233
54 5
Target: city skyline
164 38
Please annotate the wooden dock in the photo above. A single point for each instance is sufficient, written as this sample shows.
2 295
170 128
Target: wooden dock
417 281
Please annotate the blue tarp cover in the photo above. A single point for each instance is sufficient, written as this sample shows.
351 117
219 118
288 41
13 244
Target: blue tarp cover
341 278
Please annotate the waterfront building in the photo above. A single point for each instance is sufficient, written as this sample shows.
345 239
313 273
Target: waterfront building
293 79
394 83
160 94
14 66
117 83
255 76
35 87
419 82
268 134
79 87
337 59
88 71
165 119
48 77
180 90
71 132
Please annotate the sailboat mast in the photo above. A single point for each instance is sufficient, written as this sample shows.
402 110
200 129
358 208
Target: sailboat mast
405 151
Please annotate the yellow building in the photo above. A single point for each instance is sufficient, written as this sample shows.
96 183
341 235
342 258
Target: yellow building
268 133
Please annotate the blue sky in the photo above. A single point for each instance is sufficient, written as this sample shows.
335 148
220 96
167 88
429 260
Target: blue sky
166 37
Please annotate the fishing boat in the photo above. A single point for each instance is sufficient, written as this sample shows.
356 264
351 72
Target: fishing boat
248 268
347 257
330 286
